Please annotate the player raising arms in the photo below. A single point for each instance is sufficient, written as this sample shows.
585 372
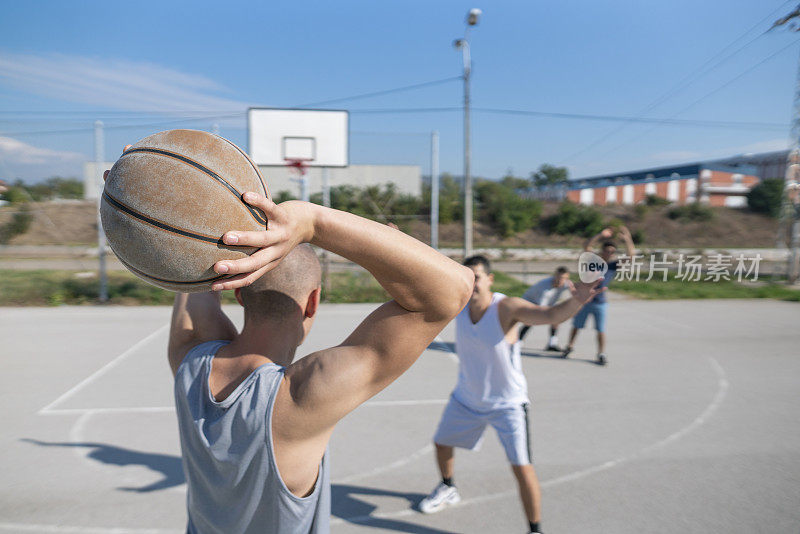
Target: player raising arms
254 424
599 304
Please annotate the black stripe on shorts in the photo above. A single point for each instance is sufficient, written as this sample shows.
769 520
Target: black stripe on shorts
527 432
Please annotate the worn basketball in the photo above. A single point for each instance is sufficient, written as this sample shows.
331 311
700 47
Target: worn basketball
169 199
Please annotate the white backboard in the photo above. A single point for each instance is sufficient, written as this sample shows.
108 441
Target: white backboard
318 137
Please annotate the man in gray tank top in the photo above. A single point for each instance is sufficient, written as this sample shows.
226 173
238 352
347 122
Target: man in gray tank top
254 423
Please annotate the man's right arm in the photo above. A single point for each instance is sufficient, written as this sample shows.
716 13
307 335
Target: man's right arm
592 241
428 290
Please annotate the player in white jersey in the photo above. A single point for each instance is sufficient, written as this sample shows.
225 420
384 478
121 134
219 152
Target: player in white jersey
491 388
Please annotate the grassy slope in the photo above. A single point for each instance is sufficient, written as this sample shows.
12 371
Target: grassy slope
51 288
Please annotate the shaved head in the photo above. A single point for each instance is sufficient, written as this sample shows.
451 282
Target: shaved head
283 291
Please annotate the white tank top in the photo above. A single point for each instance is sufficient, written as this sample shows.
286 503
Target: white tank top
490 371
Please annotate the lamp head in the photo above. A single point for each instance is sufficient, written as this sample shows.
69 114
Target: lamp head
473 16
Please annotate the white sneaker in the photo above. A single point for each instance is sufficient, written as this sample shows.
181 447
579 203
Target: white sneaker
441 496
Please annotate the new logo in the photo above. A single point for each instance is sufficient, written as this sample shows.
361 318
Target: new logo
591 267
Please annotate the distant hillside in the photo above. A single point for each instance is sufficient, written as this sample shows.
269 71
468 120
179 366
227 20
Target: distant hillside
75 223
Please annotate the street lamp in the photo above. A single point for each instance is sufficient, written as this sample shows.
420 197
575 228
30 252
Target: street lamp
463 44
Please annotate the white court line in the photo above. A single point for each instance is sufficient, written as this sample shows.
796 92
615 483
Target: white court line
103 370
168 409
424 451
76 436
722 390
50 408
133 409
405 402
63 529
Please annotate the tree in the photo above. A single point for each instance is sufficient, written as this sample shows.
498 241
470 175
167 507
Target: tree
767 197
549 175
503 207
574 219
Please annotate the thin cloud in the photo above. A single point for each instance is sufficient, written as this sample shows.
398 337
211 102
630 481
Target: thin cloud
118 84
21 160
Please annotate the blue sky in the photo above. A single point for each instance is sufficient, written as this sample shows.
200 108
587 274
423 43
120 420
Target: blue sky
64 64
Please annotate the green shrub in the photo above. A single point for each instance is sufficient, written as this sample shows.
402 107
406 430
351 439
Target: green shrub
19 224
16 194
501 205
283 196
767 197
691 212
653 200
55 187
574 219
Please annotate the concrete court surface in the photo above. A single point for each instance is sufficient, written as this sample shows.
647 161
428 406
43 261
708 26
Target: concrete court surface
693 427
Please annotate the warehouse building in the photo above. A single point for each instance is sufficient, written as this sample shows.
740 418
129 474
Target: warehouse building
722 182
709 183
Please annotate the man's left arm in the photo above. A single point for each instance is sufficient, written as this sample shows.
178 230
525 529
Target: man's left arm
196 318
516 310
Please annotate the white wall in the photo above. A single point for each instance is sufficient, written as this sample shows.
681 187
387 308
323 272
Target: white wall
587 197
611 194
93 183
673 190
407 178
627 194
735 202
691 190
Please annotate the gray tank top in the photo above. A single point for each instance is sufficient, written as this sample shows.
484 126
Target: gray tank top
233 485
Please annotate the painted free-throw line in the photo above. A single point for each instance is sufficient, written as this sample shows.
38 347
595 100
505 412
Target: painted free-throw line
103 370
722 389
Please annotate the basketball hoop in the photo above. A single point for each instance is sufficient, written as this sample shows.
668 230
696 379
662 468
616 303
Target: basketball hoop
298 165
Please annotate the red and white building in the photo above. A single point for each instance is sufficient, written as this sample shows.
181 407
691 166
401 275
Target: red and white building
710 183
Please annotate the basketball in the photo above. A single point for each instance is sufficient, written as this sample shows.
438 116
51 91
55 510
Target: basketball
169 199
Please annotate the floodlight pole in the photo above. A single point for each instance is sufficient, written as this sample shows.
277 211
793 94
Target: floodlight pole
326 261
304 194
99 157
435 190
463 44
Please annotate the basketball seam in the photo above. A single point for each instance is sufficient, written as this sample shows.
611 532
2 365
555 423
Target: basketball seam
164 280
258 172
159 224
235 192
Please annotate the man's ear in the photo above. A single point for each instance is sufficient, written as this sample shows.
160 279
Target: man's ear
238 293
312 304
491 278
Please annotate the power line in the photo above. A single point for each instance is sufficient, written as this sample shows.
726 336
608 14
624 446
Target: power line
519 112
685 82
668 121
124 126
381 93
718 89
584 116
193 119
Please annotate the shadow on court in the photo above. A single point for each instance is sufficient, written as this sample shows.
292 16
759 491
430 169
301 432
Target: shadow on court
354 510
169 466
345 504
443 346
556 356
